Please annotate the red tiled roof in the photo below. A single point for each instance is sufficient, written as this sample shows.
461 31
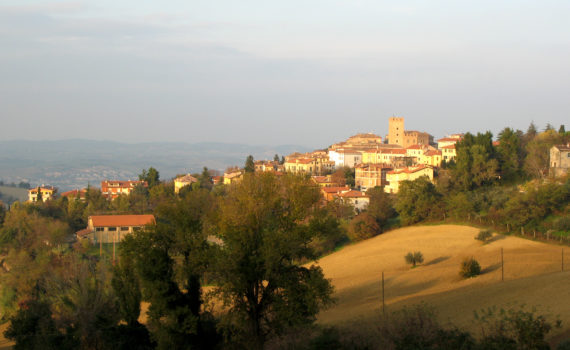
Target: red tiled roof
74 193
433 153
335 189
448 147
121 220
407 170
352 194
563 147
448 139
186 178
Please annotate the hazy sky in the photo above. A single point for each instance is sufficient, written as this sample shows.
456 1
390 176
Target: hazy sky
307 72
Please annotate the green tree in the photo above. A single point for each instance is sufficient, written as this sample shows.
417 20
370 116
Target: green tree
562 129
381 206
276 158
536 161
249 164
414 258
170 259
418 200
264 224
509 151
205 179
151 176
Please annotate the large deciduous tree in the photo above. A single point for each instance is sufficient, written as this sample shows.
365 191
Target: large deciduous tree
265 225
418 200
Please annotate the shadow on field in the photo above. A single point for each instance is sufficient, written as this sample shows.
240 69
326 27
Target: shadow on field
437 260
491 268
496 238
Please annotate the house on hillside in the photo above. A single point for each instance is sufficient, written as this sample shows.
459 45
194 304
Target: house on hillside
330 193
357 199
559 160
370 175
45 193
394 177
233 176
111 189
182 181
78 195
113 228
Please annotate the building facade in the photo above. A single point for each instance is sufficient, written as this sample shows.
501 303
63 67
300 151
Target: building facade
559 160
45 193
394 177
113 228
111 189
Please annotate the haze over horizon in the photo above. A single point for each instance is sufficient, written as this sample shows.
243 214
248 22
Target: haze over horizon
307 73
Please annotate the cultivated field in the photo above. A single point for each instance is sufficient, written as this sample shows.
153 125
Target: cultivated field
532 275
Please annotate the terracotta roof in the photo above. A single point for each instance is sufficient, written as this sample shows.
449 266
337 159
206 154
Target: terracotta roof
448 147
121 220
407 170
74 193
119 183
352 194
433 153
449 139
496 143
563 147
394 151
232 175
83 232
366 135
43 188
186 178
335 189
415 147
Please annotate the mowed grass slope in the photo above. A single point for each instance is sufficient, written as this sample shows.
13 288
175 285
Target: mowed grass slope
532 275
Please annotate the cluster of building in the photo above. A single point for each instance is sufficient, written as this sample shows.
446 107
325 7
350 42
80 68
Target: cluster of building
402 155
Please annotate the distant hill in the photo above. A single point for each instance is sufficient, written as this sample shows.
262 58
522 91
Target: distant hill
74 163
9 194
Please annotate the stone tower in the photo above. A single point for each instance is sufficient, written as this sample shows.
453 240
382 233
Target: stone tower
396 131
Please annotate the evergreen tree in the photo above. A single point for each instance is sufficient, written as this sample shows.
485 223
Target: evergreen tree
151 176
249 164
562 129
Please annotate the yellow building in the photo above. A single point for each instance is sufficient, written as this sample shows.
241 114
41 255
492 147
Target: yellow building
233 177
182 181
46 193
394 177
397 134
316 166
431 158
370 175
448 153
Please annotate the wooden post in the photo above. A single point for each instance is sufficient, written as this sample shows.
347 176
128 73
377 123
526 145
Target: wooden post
562 259
383 304
502 266
114 240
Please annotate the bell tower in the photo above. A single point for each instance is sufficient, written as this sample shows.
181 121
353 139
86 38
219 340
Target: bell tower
396 131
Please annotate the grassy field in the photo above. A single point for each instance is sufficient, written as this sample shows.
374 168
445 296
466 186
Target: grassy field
531 272
17 193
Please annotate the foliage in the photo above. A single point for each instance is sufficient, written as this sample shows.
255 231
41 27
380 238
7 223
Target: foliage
469 268
169 260
363 226
381 206
417 327
32 327
476 162
414 258
418 200
509 153
514 328
265 224
151 176
249 164
484 235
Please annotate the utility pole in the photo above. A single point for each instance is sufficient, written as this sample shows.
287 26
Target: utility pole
383 304
502 266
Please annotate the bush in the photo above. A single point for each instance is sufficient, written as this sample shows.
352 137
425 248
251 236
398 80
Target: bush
484 235
414 258
363 226
470 268
562 224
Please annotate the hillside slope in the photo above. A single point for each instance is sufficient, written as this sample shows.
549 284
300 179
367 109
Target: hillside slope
531 275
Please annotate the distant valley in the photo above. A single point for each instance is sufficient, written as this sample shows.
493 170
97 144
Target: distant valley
74 163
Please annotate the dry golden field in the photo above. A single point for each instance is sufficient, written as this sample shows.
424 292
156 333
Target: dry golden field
531 272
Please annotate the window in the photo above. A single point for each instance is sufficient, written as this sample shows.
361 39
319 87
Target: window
568 154
112 228
124 228
98 229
